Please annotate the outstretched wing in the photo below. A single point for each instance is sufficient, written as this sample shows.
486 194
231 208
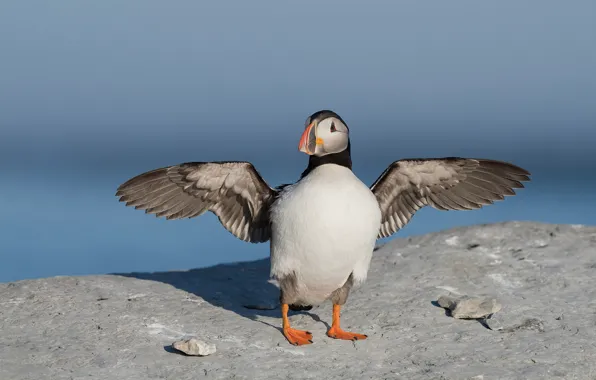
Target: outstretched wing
234 191
444 183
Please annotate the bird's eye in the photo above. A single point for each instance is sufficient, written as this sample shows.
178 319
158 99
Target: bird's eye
333 129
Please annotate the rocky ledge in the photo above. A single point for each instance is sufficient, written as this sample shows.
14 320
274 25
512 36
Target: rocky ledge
122 326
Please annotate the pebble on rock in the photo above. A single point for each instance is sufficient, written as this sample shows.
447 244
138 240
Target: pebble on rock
466 307
194 347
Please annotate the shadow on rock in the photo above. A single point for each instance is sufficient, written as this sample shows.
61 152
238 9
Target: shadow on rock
172 350
243 288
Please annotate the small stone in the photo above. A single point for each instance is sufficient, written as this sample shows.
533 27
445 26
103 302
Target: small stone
466 307
540 244
194 347
500 322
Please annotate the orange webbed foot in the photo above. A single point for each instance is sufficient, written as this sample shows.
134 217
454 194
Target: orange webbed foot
297 337
337 333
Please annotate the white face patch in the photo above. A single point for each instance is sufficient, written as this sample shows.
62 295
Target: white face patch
335 136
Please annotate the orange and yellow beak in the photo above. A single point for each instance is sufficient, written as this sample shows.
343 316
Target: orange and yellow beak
309 140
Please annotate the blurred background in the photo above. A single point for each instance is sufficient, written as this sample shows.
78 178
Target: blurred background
93 93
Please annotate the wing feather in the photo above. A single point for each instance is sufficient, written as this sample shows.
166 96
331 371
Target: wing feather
234 191
450 183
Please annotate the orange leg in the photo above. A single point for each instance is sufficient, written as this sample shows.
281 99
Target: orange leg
295 337
336 332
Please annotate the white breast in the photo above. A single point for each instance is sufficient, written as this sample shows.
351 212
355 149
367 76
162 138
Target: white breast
323 229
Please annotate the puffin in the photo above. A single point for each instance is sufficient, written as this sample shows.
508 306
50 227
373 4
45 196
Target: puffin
323 228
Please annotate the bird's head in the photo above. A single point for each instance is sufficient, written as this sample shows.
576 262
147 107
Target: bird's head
325 133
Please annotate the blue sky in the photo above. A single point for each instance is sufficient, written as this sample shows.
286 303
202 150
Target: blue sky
93 93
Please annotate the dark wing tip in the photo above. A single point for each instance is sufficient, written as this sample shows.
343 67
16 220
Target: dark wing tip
506 166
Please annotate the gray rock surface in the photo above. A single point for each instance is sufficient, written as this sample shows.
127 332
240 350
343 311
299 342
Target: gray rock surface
122 326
